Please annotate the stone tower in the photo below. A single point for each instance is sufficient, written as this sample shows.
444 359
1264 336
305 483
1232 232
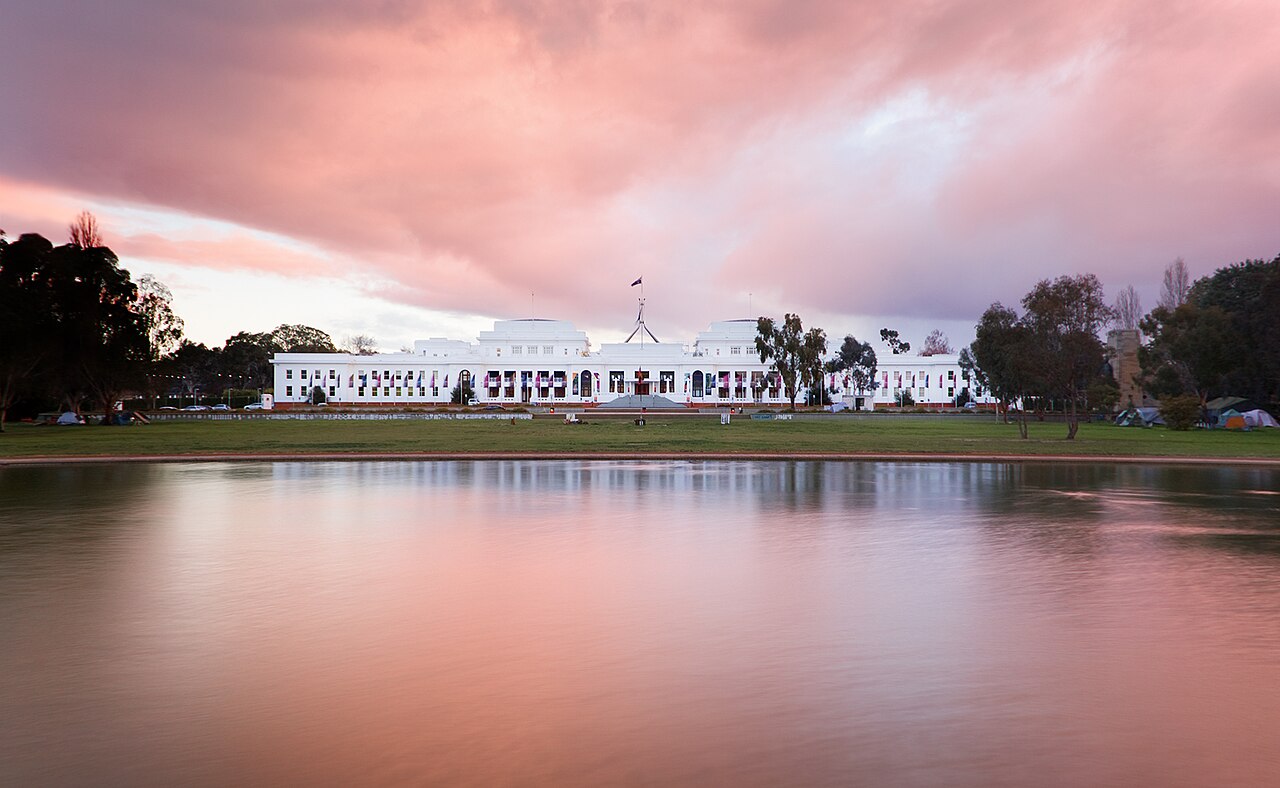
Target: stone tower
1122 352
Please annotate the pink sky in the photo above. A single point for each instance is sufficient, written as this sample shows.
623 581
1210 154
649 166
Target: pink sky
409 169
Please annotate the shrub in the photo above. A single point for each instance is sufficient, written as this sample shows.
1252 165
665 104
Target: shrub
1180 413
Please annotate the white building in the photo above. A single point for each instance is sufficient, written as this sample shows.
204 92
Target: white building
549 362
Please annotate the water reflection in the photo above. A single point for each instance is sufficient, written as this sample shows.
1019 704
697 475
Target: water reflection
610 622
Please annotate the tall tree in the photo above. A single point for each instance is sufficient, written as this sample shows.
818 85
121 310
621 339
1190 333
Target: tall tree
937 344
1249 293
84 231
1064 317
1128 309
163 327
971 373
25 316
782 344
896 346
1005 358
858 361
1177 283
1190 351
101 336
812 349
298 338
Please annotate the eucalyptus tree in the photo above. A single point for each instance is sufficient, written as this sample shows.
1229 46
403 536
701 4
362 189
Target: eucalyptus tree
25 316
1064 317
858 361
783 344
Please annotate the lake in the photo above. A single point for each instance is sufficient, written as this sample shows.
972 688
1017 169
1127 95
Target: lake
649 623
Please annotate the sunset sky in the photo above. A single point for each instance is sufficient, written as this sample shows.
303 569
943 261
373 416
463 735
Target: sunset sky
410 169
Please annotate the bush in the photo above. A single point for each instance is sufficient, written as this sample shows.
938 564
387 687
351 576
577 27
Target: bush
1180 413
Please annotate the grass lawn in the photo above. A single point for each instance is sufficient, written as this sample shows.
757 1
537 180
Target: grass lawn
835 435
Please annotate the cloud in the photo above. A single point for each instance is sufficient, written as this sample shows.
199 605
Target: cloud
849 159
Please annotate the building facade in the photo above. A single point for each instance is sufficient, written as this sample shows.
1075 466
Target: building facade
552 363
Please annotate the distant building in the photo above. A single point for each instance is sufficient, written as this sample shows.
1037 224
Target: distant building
1122 353
550 362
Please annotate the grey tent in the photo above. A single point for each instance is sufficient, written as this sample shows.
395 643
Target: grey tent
69 417
1139 417
1259 418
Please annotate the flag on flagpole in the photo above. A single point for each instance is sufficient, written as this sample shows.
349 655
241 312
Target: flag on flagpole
446 380
638 281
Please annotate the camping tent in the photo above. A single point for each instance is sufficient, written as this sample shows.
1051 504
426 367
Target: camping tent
1216 407
1232 419
69 417
1139 417
1259 418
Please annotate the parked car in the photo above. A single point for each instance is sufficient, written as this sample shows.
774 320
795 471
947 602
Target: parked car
167 407
473 401
196 407
222 406
254 406
971 405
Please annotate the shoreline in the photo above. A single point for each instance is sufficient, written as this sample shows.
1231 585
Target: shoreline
636 456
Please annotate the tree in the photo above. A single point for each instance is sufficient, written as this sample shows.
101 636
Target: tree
163 327
858 361
971 372
1249 294
896 346
197 367
298 338
937 344
1189 351
360 345
247 356
100 339
783 345
1180 413
812 349
461 394
25 316
1128 309
1225 339
1177 283
84 232
1064 317
1003 355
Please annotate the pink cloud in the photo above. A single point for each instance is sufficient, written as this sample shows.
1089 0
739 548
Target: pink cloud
468 154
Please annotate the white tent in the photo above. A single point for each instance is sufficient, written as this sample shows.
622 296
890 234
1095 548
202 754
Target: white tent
69 417
1259 418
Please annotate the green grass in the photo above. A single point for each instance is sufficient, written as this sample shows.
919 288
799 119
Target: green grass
835 435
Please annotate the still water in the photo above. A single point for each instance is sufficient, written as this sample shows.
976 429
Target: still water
601 623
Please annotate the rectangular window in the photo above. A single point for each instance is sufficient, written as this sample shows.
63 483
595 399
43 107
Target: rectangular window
532 350
288 391
735 351
331 391
288 374
951 392
331 374
399 392
516 350
548 349
360 391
